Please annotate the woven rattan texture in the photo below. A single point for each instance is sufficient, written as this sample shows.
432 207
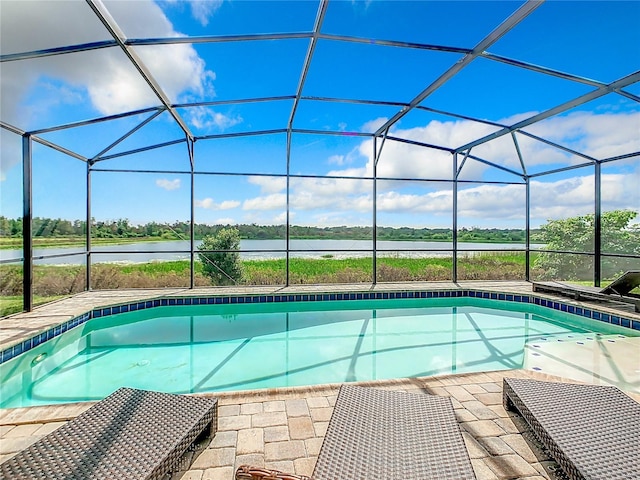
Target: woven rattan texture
592 431
248 472
376 434
132 434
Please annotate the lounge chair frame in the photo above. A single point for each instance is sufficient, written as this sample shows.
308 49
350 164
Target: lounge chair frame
592 431
618 291
131 434
374 434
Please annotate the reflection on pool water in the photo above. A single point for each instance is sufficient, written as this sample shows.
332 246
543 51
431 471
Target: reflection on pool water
191 349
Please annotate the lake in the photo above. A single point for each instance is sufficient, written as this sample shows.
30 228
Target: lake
251 249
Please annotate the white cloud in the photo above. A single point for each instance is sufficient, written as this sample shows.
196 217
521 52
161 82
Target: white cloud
209 204
104 79
281 218
503 202
373 125
203 9
498 203
168 184
575 196
261 218
336 159
207 119
433 202
269 184
274 201
11 151
601 135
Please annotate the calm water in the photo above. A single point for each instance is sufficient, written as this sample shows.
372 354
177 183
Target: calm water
232 347
316 248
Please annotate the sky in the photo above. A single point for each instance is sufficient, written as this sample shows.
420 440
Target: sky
589 39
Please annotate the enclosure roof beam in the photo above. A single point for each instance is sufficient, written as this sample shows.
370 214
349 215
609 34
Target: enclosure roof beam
140 150
393 43
322 10
560 170
110 24
136 42
620 157
587 97
519 153
354 100
241 134
630 96
331 132
92 121
83 47
58 148
399 104
486 162
495 165
234 102
11 128
42 141
457 115
378 152
292 36
420 144
125 136
464 160
545 70
555 145
502 29
128 170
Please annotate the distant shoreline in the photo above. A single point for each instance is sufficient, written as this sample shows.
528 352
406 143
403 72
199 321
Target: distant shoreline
14 243
167 250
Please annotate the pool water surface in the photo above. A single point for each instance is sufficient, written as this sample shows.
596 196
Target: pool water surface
208 348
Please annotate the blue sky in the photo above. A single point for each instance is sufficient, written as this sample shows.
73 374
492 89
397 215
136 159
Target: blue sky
591 39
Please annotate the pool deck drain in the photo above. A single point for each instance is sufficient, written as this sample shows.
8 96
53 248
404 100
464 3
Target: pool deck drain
283 428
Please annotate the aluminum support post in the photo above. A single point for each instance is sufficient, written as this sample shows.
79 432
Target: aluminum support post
454 272
88 230
597 227
27 213
527 233
192 237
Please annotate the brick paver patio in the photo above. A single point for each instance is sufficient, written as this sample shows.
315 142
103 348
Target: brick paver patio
283 428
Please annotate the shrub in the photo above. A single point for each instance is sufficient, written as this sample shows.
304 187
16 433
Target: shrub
576 234
220 257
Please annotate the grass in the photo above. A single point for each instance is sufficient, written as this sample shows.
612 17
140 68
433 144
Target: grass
12 243
13 304
57 281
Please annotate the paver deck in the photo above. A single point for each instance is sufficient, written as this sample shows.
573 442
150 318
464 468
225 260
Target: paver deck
283 428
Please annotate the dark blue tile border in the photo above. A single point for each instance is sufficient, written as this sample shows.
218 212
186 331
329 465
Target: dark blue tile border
26 345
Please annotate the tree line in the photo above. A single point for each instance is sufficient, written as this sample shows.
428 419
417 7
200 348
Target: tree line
123 228
220 257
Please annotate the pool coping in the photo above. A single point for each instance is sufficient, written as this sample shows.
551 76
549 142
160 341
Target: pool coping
185 297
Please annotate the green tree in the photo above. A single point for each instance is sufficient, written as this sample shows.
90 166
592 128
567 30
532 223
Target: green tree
220 256
576 234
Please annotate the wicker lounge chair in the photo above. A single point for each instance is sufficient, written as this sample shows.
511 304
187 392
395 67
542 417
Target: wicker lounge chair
376 434
592 431
618 291
132 434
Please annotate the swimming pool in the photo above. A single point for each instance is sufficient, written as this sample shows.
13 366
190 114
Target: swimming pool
232 346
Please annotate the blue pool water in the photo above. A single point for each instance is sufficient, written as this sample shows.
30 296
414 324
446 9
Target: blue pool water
191 349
